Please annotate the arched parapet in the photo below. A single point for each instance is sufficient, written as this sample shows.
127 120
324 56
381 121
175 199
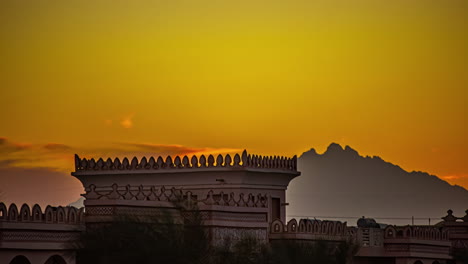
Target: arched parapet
324 227
415 232
444 235
341 228
72 215
309 226
317 227
390 232
292 226
37 215
25 213
3 212
244 160
303 225
331 228
81 215
61 215
13 213
407 232
50 214
277 226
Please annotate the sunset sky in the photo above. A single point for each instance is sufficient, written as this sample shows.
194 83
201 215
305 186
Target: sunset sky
116 78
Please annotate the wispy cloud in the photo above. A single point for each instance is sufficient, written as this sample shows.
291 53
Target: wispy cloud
127 121
59 156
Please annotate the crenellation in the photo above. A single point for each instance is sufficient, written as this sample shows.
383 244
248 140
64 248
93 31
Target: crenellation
221 161
61 215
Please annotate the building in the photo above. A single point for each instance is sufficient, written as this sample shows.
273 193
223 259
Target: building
236 196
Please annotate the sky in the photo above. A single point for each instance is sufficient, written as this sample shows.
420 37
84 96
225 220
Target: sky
116 78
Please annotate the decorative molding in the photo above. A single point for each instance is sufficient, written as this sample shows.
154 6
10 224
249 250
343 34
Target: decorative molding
153 193
45 236
451 218
161 164
416 232
308 226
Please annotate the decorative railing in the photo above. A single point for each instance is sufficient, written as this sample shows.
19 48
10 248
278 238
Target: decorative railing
451 218
153 193
244 160
309 226
416 232
60 215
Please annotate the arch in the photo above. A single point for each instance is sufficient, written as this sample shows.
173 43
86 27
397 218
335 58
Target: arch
390 232
302 225
316 227
444 235
25 213
421 234
292 225
407 232
13 212
3 211
81 213
56 259
339 230
72 215
427 234
36 213
277 226
331 228
324 227
61 215
50 214
310 227
20 260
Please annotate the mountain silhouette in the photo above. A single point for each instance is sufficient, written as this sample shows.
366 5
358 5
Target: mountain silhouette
340 183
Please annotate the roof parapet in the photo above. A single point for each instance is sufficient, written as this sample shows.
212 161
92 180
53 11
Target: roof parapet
152 164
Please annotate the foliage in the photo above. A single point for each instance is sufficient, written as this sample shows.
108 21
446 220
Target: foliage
160 239
168 239
461 255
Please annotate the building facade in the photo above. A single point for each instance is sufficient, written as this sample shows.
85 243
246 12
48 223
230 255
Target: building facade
235 195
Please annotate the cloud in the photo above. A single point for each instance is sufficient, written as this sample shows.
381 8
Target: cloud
59 157
57 147
454 177
127 121
177 149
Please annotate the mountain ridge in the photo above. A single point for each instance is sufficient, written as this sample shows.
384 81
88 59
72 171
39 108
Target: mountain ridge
348 149
342 182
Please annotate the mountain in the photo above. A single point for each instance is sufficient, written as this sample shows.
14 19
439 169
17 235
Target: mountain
341 183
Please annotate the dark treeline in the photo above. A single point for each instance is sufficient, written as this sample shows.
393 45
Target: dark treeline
168 239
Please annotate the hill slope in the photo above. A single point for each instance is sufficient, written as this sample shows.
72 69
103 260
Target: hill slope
342 183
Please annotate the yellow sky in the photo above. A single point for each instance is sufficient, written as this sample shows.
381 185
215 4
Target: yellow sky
389 78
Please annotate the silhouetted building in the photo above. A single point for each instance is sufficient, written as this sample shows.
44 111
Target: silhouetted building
236 196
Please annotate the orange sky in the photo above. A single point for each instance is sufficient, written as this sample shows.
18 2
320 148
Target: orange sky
275 77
